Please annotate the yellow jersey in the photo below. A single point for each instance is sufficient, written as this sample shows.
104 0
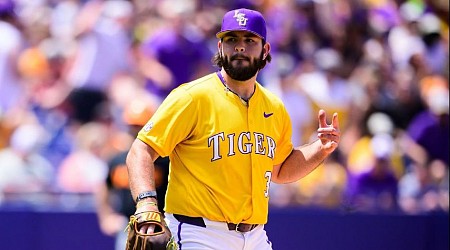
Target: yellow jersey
222 150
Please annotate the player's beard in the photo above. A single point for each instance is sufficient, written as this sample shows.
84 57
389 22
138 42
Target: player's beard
240 72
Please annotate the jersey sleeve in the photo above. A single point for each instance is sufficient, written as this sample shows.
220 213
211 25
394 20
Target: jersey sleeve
284 144
171 124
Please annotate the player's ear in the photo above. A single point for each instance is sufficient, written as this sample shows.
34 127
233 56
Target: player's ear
266 50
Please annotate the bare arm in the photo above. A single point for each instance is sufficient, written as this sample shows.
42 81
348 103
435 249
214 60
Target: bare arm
304 159
110 221
152 69
141 169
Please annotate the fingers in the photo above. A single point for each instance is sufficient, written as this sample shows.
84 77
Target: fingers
322 119
333 137
147 229
335 121
328 134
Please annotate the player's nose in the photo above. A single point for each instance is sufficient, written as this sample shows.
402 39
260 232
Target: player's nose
239 47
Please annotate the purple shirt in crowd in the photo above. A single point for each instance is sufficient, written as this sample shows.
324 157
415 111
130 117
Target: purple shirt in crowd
432 133
180 55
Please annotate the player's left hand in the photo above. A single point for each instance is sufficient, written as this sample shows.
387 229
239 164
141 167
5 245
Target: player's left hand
329 135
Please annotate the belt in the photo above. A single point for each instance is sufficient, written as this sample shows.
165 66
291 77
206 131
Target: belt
198 221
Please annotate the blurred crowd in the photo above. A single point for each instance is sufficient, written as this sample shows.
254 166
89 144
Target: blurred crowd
74 74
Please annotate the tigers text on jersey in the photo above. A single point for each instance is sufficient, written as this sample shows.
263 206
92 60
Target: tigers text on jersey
221 150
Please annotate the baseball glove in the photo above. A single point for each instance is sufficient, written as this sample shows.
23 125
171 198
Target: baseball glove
161 239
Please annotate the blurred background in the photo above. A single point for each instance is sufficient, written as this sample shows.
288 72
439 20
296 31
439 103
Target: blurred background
78 78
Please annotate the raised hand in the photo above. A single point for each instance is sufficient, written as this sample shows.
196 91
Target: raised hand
329 135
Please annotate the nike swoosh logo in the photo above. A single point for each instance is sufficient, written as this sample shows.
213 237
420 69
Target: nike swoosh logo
266 115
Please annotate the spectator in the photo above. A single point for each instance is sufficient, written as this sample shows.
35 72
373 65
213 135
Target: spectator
424 189
11 45
430 128
47 97
22 168
164 53
375 191
320 80
103 43
74 175
113 197
324 188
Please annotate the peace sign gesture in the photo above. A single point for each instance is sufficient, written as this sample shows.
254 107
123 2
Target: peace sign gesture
329 135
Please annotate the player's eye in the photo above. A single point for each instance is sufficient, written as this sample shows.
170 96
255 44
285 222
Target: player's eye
230 39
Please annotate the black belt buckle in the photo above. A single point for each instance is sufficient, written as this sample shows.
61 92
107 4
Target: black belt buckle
237 228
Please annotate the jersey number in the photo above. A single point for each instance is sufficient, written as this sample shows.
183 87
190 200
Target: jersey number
268 176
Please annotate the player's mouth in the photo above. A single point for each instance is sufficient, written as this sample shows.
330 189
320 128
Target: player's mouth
239 58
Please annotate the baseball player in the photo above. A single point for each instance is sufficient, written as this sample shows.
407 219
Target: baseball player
227 138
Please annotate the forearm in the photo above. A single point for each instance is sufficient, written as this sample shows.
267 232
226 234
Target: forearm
101 201
140 168
110 221
302 161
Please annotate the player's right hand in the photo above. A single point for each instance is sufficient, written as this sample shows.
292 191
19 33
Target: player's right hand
146 228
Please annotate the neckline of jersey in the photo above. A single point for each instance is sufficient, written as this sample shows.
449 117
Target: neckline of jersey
224 83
